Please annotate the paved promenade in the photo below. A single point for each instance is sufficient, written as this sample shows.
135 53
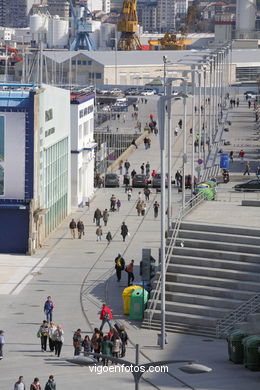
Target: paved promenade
79 275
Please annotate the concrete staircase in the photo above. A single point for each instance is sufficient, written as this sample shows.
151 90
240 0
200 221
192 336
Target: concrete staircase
214 273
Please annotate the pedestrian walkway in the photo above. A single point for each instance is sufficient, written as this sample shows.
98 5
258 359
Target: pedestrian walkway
79 275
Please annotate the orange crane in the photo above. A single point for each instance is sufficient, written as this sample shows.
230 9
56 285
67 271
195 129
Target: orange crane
128 26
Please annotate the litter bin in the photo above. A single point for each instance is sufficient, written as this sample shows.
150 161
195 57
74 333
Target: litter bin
235 346
138 302
252 356
126 295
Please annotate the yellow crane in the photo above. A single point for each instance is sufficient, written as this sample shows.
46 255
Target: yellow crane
128 26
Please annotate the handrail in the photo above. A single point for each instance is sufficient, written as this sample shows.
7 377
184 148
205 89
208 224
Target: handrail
251 306
193 202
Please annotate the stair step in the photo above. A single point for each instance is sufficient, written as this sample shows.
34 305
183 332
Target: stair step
200 300
187 308
192 319
208 332
208 290
222 246
219 254
215 236
213 281
214 263
212 272
228 229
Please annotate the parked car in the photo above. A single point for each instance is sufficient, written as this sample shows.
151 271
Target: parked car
132 92
251 185
148 92
156 182
140 180
112 180
116 91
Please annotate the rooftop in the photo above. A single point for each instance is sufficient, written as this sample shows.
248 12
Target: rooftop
15 95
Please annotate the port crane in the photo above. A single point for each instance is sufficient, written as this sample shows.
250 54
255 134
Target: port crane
128 26
82 18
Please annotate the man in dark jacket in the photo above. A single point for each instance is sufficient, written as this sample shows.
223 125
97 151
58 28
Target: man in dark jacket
127 166
77 341
97 216
51 384
80 227
124 230
119 266
72 227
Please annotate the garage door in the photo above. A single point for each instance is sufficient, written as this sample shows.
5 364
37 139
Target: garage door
14 230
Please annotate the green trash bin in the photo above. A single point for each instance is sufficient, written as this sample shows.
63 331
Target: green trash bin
137 304
235 346
252 356
244 342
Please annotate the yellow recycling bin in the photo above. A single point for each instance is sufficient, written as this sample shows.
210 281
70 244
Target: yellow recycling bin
126 295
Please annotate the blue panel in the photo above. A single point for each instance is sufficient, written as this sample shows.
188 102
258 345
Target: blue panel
224 160
29 149
14 235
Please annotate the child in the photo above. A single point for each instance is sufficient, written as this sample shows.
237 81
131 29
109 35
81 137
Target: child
118 204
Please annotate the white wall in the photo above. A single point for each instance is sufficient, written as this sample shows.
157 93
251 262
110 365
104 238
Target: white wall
14 161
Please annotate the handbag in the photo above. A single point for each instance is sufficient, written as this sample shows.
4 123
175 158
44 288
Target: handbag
38 334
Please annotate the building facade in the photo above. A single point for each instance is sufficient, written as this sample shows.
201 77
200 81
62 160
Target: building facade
147 15
82 147
15 13
59 7
34 165
166 10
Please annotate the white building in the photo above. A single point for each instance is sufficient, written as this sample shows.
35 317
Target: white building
166 14
181 8
82 147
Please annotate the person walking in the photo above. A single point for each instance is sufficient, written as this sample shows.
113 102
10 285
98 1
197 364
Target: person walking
58 336
156 209
154 173
124 231
48 309
105 217
249 103
95 344
139 207
36 384
237 102
178 177
247 169
180 123
145 143
19 385
119 266
2 343
133 173
241 155
127 166
99 233
80 227
77 342
147 193
130 272
231 156
118 204
51 331
143 208
106 349
129 194
109 237
51 384
72 227
86 344
147 168
43 334
176 130
149 142
124 339
120 167
126 180
142 168
97 216
105 316
257 172
113 203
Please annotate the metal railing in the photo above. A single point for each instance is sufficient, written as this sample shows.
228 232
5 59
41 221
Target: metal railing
190 205
251 306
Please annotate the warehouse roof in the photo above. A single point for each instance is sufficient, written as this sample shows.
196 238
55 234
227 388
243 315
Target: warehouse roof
152 58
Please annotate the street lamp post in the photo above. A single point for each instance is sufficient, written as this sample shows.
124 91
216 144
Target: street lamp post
204 116
193 77
184 157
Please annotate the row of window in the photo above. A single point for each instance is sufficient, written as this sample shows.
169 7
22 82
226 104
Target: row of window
81 62
92 75
86 111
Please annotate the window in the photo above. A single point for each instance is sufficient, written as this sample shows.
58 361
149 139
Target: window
80 132
49 132
81 113
48 115
90 109
73 62
84 62
86 111
91 75
89 62
86 128
98 76
79 62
